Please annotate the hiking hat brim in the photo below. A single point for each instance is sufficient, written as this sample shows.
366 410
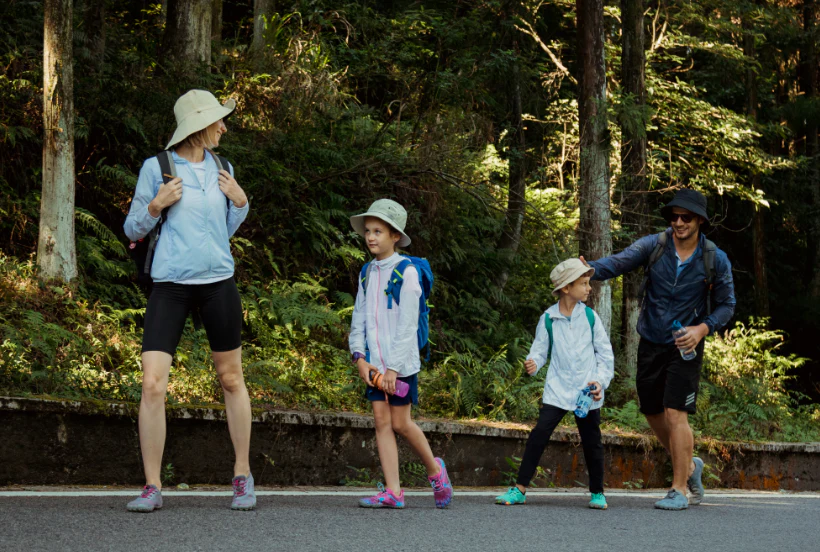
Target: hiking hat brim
689 203
200 119
358 222
567 272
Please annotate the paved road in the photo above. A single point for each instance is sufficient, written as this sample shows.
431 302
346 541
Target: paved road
297 521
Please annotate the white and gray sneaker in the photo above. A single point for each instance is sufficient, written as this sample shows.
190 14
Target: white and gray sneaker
244 496
695 483
148 501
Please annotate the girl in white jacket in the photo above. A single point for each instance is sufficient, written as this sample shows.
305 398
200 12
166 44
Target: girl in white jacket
581 356
383 340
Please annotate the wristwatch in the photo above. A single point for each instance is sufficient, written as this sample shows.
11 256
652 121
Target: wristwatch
357 356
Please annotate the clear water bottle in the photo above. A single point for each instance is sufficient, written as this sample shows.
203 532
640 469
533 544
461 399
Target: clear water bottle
584 401
679 331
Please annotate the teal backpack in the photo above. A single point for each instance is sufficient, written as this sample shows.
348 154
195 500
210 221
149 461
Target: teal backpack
548 323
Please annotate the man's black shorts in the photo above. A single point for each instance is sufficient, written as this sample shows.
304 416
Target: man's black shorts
220 309
665 380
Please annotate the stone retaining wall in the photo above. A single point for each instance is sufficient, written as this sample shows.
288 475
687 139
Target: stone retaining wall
51 442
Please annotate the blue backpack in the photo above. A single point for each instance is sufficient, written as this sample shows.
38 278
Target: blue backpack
393 292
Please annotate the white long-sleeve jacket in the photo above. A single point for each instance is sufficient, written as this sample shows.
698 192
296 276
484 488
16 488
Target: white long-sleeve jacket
390 334
577 356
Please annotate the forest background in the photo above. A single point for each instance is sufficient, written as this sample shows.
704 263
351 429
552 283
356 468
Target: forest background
465 111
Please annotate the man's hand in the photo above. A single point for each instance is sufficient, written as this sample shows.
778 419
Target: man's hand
693 336
231 189
167 195
597 391
583 260
530 367
364 370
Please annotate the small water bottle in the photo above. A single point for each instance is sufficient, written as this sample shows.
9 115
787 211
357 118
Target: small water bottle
402 388
584 401
679 331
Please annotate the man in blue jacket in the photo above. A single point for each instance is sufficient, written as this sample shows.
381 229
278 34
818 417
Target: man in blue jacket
690 280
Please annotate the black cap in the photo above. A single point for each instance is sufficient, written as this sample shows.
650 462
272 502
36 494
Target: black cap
691 200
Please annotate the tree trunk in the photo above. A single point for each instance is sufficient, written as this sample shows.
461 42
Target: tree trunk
595 239
634 217
808 85
516 202
262 10
216 21
187 39
761 289
56 251
94 22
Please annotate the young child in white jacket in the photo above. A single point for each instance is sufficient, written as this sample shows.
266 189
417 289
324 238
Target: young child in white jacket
383 340
581 356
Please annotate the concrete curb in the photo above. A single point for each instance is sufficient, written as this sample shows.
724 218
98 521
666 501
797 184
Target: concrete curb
96 442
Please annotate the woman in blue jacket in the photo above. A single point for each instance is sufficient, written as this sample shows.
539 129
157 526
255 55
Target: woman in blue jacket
192 270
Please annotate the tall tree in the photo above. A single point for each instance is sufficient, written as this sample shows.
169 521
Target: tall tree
187 38
56 249
216 20
516 202
595 237
262 10
761 286
634 218
808 74
94 23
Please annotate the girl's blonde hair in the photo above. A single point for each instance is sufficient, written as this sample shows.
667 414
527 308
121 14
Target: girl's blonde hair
205 138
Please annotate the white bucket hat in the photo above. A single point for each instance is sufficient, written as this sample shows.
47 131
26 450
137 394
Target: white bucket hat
567 272
196 110
388 211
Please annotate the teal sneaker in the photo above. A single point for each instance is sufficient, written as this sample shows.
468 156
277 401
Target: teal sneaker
512 496
598 501
673 500
695 483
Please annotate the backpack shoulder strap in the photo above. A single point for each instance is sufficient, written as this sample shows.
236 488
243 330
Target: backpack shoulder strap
363 277
590 318
221 165
548 324
654 257
169 171
395 282
709 254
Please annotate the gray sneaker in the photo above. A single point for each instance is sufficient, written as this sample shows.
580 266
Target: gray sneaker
148 501
674 500
695 483
244 497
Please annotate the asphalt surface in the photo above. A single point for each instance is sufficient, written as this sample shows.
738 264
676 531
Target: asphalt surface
754 522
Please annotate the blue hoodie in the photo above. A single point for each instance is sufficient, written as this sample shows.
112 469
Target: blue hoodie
672 296
194 243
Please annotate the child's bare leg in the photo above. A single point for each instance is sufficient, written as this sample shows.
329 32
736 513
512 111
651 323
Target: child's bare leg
407 428
386 443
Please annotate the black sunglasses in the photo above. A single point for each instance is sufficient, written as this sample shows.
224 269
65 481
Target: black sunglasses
687 218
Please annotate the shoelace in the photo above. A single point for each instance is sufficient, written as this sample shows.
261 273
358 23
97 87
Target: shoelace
239 486
437 482
148 492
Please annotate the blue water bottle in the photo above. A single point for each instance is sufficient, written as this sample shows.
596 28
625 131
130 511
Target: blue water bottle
679 331
584 401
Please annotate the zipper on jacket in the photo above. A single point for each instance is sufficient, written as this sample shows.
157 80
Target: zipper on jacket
378 343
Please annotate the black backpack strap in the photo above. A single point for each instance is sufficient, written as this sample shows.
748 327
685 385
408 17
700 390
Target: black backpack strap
168 170
654 257
709 255
221 165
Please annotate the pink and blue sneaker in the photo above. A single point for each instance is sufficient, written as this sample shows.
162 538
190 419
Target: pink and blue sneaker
244 494
442 488
384 499
148 501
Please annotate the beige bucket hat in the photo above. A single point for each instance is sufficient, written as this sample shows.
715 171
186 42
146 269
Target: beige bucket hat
196 110
567 272
390 212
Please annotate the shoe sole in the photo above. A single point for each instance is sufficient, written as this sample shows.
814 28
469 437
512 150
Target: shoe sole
604 507
243 508
376 507
503 503
671 509
143 511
